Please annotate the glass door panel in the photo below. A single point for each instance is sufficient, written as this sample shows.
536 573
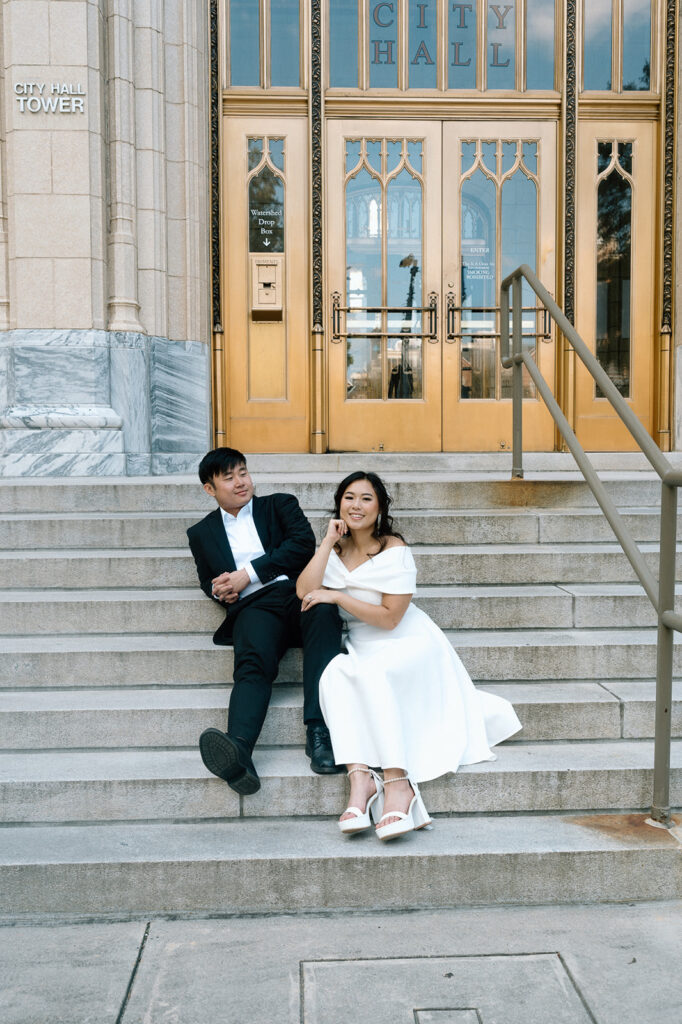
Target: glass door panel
384 270
615 267
498 212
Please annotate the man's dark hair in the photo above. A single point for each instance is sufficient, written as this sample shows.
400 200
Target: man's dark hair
219 462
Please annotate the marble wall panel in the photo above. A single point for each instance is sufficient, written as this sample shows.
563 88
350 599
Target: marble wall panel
61 368
180 396
130 390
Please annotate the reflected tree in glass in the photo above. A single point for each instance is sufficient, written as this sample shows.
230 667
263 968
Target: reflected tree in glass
614 231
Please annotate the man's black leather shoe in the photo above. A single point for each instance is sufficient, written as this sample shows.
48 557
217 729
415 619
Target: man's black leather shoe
318 747
229 759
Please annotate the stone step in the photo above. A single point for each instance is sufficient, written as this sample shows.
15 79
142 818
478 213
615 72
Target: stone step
278 866
91 661
45 530
175 717
512 564
183 610
410 490
76 786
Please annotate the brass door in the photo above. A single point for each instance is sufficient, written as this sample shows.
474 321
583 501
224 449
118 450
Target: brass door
266 258
499 188
423 223
615 275
384 260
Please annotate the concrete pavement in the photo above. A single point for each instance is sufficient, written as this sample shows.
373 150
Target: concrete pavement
590 964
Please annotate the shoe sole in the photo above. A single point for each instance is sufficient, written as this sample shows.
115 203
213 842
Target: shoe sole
221 756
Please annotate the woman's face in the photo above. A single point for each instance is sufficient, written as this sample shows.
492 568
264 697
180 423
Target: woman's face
359 506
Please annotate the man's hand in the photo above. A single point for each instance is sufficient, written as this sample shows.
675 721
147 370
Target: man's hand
228 586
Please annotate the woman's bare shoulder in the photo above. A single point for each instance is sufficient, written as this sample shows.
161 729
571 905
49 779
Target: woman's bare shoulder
395 542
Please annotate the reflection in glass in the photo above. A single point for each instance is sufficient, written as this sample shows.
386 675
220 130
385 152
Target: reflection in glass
374 154
414 155
508 156
597 52
614 226
423 44
353 150
266 212
530 156
284 45
529 345
478 367
636 44
363 250
462 45
276 148
255 152
382 30
343 43
489 153
539 44
363 368
519 245
501 46
394 152
604 153
468 156
404 359
404 251
244 43
625 156
479 286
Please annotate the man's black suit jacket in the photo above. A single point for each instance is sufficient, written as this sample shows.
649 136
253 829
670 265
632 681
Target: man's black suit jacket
287 539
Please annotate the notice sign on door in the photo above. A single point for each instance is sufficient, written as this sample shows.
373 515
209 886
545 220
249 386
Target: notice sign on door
266 228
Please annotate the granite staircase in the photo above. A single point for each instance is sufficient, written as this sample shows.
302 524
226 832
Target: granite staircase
108 675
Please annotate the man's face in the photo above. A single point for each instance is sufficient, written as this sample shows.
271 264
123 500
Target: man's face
233 490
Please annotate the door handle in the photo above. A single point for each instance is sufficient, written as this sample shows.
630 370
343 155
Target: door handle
433 318
450 310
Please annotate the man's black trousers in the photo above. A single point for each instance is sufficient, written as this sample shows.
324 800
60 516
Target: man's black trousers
263 630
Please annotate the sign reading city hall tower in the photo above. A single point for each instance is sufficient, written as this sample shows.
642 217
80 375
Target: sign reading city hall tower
50 98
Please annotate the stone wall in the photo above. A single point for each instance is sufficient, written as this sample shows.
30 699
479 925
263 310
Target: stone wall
104 251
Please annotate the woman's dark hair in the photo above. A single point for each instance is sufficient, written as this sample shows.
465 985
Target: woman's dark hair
383 528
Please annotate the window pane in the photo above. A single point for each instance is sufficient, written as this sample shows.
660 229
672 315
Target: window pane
519 245
539 44
363 250
266 212
363 368
501 46
462 46
597 44
479 286
636 44
614 225
343 43
244 43
284 25
383 44
422 49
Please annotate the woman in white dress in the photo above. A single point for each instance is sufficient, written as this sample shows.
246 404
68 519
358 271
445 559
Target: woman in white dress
400 698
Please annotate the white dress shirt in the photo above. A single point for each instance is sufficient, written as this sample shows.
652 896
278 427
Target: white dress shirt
245 544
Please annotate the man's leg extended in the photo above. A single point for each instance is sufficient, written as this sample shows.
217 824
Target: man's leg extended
259 641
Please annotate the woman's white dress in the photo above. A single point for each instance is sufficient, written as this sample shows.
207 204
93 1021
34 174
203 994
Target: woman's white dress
402 698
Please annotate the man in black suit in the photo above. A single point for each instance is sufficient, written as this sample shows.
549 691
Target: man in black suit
248 553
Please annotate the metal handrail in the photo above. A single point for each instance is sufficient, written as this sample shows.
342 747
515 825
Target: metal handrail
661 592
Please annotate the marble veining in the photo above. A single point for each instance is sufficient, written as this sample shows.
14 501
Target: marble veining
58 417
179 396
99 403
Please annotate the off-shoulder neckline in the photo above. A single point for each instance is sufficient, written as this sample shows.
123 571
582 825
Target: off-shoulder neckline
368 561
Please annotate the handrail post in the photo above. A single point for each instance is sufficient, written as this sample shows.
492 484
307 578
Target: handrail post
660 810
517 378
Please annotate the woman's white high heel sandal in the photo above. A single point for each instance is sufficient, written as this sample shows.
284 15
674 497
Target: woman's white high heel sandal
362 819
417 816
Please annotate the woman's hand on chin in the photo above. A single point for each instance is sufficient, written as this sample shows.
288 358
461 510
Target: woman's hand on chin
336 530
321 596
